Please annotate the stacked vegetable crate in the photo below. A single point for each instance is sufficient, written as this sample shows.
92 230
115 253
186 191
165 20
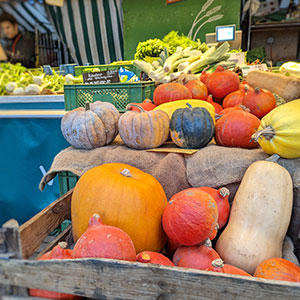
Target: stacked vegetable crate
119 94
112 279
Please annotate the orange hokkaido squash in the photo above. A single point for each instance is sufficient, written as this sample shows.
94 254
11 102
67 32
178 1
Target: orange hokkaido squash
124 197
278 269
218 266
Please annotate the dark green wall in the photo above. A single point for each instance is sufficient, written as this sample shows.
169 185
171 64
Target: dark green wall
144 19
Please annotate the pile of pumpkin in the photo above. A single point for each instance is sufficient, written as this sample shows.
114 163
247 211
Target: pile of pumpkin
120 212
192 114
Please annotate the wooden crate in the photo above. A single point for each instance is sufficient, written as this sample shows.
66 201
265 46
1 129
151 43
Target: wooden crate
112 279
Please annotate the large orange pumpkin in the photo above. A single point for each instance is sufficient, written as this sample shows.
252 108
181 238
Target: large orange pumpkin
124 197
278 269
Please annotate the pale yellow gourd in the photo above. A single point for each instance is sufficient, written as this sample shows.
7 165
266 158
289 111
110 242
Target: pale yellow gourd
259 218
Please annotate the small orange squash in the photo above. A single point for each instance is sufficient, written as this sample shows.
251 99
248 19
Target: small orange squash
153 258
218 266
278 269
124 197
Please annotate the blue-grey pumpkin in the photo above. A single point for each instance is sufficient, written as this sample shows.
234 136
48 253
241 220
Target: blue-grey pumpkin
191 128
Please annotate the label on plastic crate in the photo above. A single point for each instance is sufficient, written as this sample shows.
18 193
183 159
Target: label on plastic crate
110 76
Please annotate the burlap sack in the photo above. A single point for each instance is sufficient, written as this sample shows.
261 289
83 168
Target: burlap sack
167 168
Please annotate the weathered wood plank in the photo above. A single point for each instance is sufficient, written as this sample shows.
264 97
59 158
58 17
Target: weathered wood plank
37 228
109 279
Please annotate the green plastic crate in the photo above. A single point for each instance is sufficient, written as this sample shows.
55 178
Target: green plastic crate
67 181
130 67
119 94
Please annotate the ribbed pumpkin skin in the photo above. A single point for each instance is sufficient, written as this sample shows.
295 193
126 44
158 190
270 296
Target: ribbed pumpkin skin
144 130
190 217
228 269
89 129
284 120
104 241
153 258
168 92
134 204
191 128
235 129
278 269
196 257
221 198
56 253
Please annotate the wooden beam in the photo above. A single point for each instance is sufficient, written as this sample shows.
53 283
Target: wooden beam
110 279
34 231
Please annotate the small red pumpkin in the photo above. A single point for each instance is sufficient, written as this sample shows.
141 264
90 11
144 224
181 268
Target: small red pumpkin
196 257
197 88
222 82
235 129
259 101
190 217
230 109
153 258
104 241
278 269
235 98
221 197
172 91
58 252
146 105
218 266
218 107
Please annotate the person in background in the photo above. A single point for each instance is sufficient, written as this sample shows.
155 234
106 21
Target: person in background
18 46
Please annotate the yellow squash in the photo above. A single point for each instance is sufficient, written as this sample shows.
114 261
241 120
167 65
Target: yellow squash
170 107
279 130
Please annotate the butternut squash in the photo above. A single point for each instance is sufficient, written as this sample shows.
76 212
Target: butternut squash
259 217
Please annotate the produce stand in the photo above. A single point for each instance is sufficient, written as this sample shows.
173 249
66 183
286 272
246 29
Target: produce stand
112 279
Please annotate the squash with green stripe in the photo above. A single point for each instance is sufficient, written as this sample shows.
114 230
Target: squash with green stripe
144 129
191 128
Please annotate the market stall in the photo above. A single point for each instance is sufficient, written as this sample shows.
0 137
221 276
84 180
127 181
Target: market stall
178 174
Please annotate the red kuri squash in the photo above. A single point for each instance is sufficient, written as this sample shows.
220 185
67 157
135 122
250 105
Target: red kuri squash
146 105
235 98
197 88
278 269
218 266
104 241
218 107
172 91
196 257
235 129
221 197
153 258
190 217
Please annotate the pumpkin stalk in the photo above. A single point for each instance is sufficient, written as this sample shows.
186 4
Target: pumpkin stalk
63 245
87 106
268 133
243 107
189 105
217 116
273 158
145 258
126 173
134 105
218 263
224 192
208 243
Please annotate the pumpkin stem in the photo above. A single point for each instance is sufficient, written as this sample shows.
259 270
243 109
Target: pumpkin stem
208 243
243 107
218 263
217 226
257 90
268 133
126 173
95 220
135 105
63 245
223 192
144 257
273 158
217 116
87 106
189 105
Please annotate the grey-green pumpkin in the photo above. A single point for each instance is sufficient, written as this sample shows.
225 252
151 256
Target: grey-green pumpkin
91 127
191 128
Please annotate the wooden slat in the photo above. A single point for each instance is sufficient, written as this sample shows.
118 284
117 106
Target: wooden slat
109 279
61 237
37 228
